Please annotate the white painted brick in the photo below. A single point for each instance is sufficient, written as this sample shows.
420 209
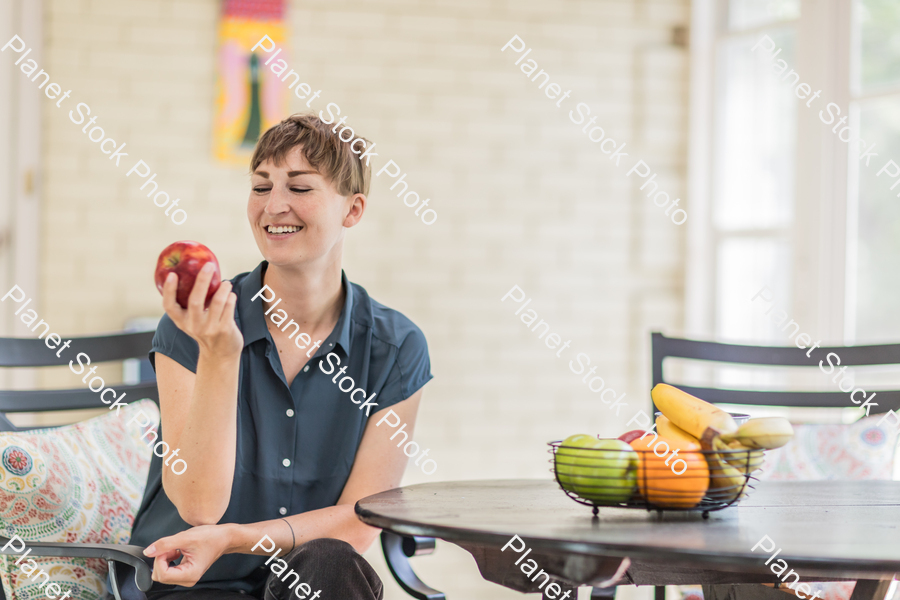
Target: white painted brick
181 37
65 9
204 14
125 12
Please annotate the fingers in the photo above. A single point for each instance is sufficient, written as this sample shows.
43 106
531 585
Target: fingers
161 565
170 305
218 301
197 299
228 310
184 574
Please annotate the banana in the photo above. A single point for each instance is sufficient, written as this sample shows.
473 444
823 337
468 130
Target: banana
690 413
745 460
726 483
766 432
668 429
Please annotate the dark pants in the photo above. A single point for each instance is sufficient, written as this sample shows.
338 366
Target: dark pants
326 564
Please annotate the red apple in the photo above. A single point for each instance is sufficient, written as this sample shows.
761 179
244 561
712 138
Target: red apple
185 259
630 436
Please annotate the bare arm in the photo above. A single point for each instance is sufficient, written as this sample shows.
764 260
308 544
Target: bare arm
379 466
199 412
199 416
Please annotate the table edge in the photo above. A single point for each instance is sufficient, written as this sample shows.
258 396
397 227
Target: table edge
860 568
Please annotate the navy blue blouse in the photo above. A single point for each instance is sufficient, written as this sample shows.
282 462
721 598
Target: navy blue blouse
295 444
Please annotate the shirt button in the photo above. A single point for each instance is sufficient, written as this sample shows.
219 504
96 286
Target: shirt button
282 511
286 462
306 368
290 412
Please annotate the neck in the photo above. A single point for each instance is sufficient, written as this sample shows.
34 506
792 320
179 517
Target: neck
311 298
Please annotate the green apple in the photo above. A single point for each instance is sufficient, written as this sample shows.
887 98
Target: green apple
568 456
603 471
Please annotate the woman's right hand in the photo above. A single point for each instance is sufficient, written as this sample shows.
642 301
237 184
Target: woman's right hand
213 328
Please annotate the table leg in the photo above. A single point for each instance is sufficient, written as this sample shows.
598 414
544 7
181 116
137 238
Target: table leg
867 589
565 588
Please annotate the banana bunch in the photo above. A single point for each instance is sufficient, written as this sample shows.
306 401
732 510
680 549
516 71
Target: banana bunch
695 416
744 459
726 481
763 433
668 429
732 453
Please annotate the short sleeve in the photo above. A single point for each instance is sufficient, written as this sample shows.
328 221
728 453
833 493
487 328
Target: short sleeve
411 370
175 344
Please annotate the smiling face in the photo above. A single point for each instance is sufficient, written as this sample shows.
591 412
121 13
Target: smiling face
296 213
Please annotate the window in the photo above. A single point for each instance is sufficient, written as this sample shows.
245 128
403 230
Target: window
874 265
780 201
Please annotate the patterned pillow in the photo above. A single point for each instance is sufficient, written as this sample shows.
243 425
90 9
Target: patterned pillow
863 450
78 483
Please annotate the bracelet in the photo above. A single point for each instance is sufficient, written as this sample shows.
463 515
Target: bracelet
293 539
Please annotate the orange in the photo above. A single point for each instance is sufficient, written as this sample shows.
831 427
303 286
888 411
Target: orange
662 486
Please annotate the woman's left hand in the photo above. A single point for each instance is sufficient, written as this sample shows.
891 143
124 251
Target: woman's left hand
198 548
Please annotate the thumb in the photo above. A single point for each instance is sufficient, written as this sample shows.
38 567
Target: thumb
162 546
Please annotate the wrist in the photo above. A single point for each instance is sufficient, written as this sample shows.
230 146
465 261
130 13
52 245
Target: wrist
235 538
218 360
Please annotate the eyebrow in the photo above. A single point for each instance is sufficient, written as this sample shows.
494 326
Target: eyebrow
289 174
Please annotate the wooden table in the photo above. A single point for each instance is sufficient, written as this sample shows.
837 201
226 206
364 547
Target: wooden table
828 531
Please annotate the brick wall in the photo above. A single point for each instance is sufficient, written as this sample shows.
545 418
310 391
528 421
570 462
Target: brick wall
522 196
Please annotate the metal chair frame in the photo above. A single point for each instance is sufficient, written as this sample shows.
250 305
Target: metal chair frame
664 347
854 356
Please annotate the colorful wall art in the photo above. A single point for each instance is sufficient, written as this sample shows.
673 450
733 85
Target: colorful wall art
249 99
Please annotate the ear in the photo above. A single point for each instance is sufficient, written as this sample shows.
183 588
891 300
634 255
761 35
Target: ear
356 208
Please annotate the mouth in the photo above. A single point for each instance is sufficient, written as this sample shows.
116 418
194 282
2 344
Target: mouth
281 231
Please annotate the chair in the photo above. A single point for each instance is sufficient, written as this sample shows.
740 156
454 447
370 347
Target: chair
664 347
17 352
854 356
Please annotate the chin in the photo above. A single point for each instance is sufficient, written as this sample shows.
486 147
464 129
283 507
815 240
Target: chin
299 252
283 259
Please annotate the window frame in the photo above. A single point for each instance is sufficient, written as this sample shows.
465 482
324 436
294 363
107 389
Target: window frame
821 235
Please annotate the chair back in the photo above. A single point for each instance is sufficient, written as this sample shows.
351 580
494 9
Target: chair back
32 352
886 354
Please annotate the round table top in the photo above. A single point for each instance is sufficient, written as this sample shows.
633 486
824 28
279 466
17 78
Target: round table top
848 528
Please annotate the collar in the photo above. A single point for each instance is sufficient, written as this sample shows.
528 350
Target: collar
252 318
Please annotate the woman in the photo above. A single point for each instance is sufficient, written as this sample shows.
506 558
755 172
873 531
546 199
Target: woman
276 451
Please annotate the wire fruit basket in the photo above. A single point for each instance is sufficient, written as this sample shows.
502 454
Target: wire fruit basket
639 479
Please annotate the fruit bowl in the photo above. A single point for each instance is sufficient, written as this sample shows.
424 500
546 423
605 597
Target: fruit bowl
722 481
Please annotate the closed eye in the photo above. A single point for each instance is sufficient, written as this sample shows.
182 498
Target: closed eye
260 190
300 190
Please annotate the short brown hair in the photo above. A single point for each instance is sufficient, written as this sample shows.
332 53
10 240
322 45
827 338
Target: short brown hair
322 148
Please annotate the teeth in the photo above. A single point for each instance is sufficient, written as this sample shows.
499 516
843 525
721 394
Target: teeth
283 229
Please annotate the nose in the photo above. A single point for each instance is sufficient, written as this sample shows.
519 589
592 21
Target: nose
278 202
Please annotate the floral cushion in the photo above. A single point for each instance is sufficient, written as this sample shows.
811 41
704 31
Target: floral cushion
863 450
79 483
